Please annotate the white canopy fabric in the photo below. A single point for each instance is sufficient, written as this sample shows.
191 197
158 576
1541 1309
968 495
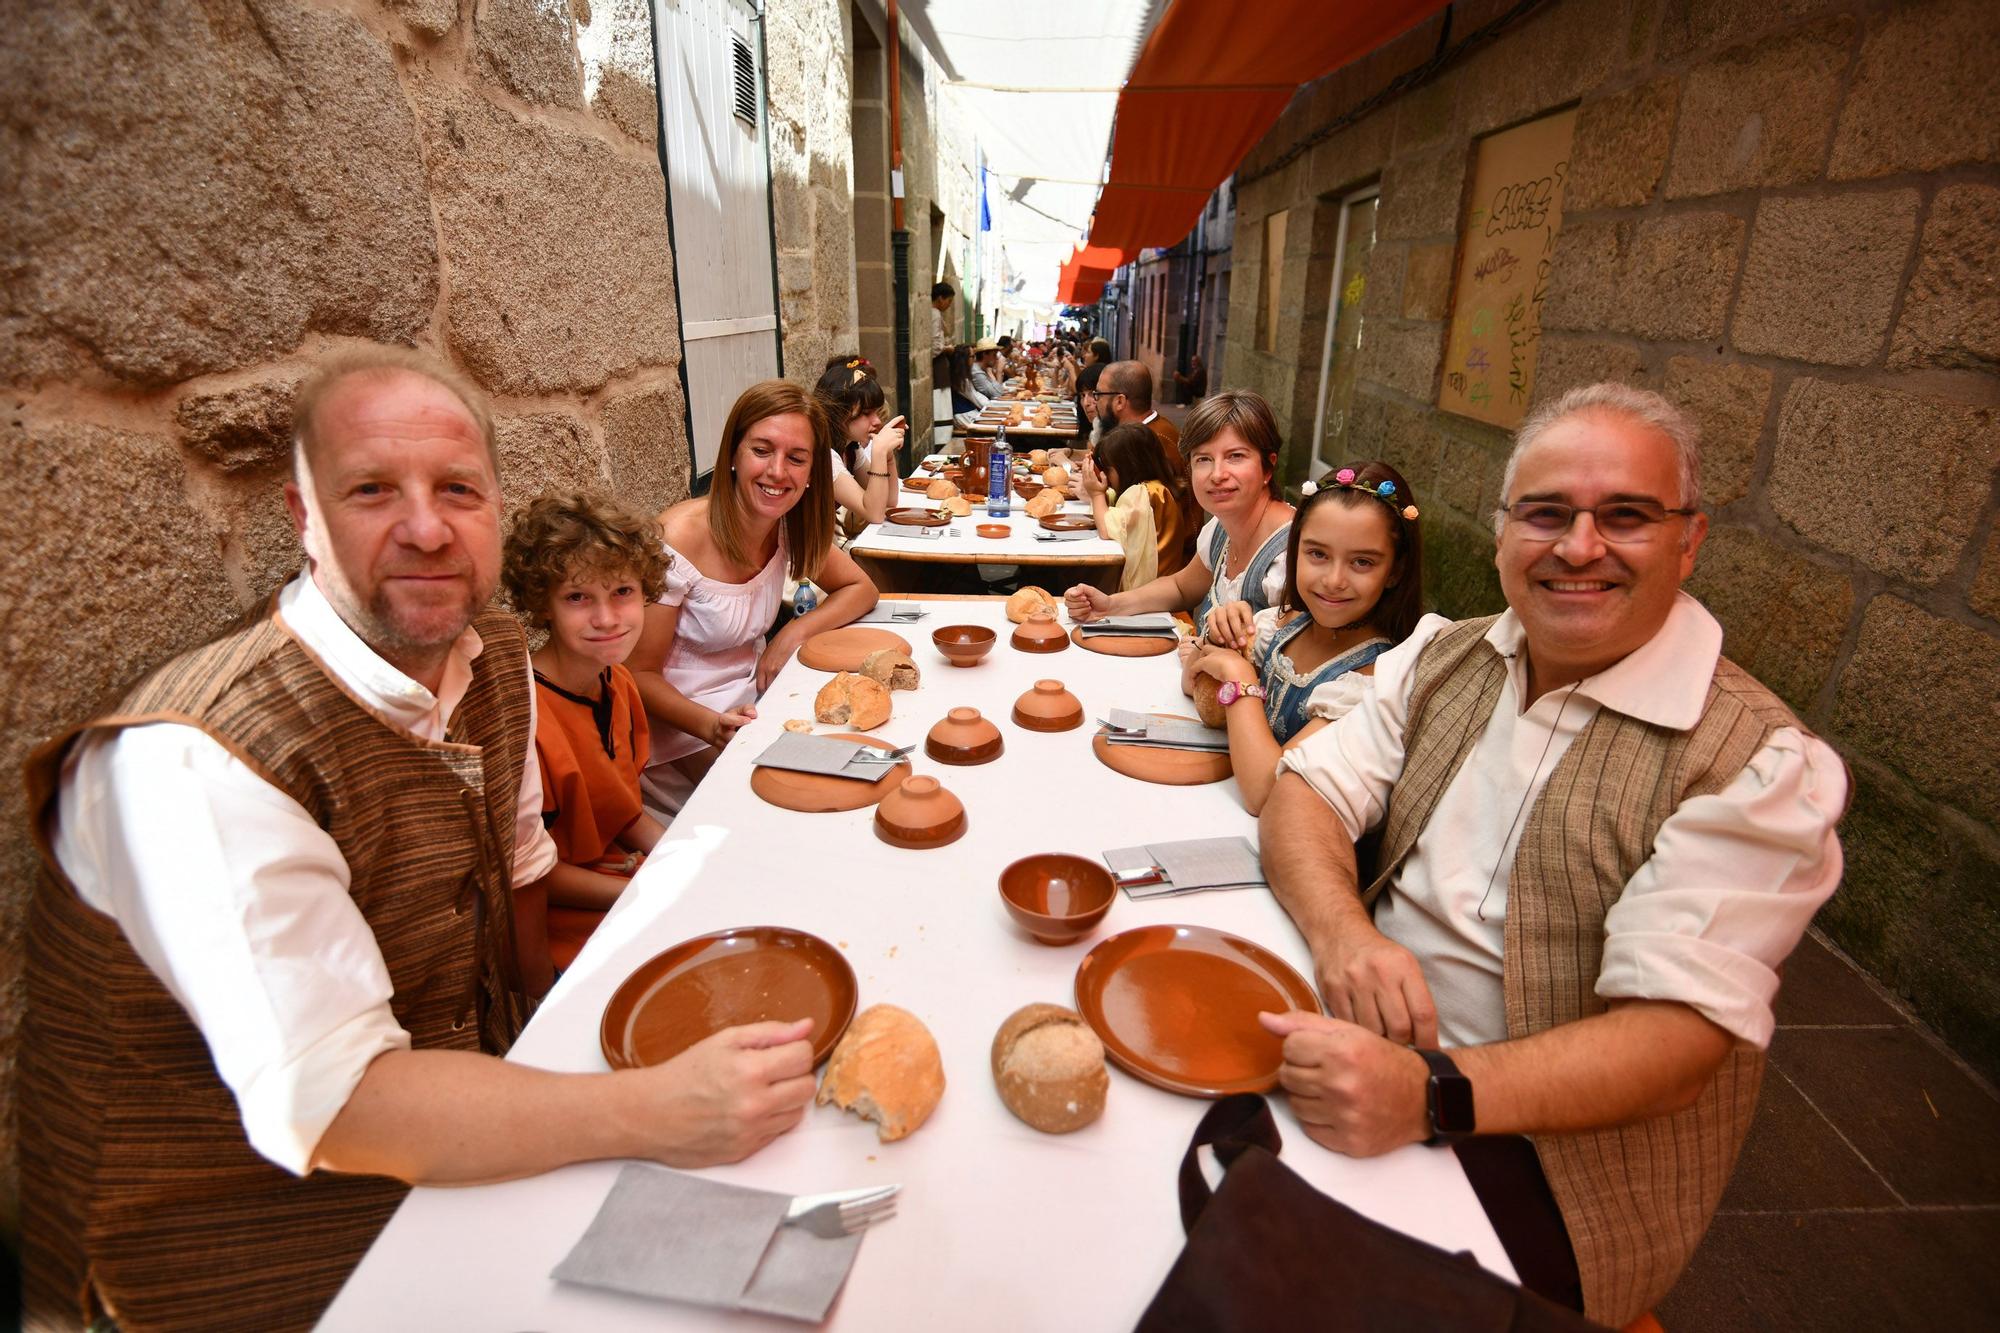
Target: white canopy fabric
1038 80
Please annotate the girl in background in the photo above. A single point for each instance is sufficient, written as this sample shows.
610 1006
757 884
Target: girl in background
1146 517
1354 591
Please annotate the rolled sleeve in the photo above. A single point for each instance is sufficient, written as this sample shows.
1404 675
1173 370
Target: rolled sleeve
1733 882
239 902
1353 763
534 849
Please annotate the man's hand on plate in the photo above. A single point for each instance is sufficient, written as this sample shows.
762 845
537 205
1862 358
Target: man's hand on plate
728 1095
1353 1091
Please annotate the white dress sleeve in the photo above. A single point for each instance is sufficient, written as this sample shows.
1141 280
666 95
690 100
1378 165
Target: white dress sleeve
1203 541
1337 697
1267 623
681 575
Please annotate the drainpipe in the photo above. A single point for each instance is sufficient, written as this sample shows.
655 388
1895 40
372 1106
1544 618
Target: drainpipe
899 235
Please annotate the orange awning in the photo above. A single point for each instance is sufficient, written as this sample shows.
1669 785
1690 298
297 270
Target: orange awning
1210 83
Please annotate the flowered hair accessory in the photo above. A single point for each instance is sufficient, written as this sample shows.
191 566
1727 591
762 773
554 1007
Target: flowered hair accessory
1385 491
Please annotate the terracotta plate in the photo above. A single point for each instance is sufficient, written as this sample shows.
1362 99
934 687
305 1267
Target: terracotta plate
814 793
1068 522
1150 763
917 518
843 649
1118 645
1177 1006
712 982
918 483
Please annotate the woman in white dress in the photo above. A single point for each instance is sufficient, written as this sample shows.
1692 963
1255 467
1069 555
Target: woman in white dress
703 659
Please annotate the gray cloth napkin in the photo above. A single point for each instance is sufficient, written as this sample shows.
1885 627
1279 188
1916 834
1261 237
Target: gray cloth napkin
1190 866
893 613
900 530
679 1237
1153 624
803 753
1081 535
1172 733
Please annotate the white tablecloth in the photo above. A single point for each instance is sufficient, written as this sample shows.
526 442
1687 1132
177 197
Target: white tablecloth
999 1227
962 540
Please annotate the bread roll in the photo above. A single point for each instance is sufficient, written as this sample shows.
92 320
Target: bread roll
1049 1067
1046 502
1029 600
958 505
886 1069
1056 476
891 667
1210 711
941 490
1038 457
853 701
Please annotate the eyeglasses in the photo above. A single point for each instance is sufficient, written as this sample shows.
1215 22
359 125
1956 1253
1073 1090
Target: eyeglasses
1616 520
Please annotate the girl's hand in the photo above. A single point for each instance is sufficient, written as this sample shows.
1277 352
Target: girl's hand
1086 603
1094 484
889 439
1232 625
725 726
1225 664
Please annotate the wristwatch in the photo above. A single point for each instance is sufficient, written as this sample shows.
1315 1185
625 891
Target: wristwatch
1229 692
1448 1099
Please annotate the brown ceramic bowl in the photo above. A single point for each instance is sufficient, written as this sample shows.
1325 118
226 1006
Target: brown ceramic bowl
994 531
1040 633
1028 490
919 815
963 645
1055 897
1048 707
964 737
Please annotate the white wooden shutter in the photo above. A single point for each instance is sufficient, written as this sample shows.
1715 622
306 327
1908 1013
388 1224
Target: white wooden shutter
712 114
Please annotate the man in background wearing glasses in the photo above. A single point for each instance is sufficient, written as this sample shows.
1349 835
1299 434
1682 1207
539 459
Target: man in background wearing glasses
1600 839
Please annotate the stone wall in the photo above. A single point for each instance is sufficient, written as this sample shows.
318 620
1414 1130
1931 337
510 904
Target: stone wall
204 198
807 50
1785 217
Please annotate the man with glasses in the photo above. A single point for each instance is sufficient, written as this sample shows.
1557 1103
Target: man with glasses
1600 839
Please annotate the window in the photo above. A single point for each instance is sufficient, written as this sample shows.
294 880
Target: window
745 68
1353 245
1274 268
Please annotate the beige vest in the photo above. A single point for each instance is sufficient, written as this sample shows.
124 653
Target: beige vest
1637 1198
140 1194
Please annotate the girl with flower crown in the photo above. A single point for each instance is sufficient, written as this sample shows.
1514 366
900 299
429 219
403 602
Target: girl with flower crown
1353 590
865 475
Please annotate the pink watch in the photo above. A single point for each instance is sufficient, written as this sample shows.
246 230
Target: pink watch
1229 692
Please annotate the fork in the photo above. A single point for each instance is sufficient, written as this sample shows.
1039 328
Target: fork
840 1214
873 756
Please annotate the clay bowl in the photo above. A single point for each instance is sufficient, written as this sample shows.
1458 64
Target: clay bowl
1048 707
963 645
964 737
1057 898
1040 633
1028 490
919 815
993 531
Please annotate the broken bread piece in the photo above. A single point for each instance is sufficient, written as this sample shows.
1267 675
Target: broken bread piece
886 1069
852 700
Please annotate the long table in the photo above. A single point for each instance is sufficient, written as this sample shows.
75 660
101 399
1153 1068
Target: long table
999 1227
896 563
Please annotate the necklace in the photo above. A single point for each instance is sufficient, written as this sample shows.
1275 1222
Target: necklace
1533 778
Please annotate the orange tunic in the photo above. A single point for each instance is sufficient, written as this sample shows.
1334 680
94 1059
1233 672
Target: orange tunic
591 752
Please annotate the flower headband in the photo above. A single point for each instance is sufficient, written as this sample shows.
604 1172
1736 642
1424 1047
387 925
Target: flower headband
859 365
1385 491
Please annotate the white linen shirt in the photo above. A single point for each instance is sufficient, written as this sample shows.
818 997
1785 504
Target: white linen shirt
1733 880
239 901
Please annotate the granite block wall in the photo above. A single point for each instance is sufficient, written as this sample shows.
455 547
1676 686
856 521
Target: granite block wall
1786 217
202 199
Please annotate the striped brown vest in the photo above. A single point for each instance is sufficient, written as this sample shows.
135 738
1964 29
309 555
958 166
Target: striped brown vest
141 1194
1637 1198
